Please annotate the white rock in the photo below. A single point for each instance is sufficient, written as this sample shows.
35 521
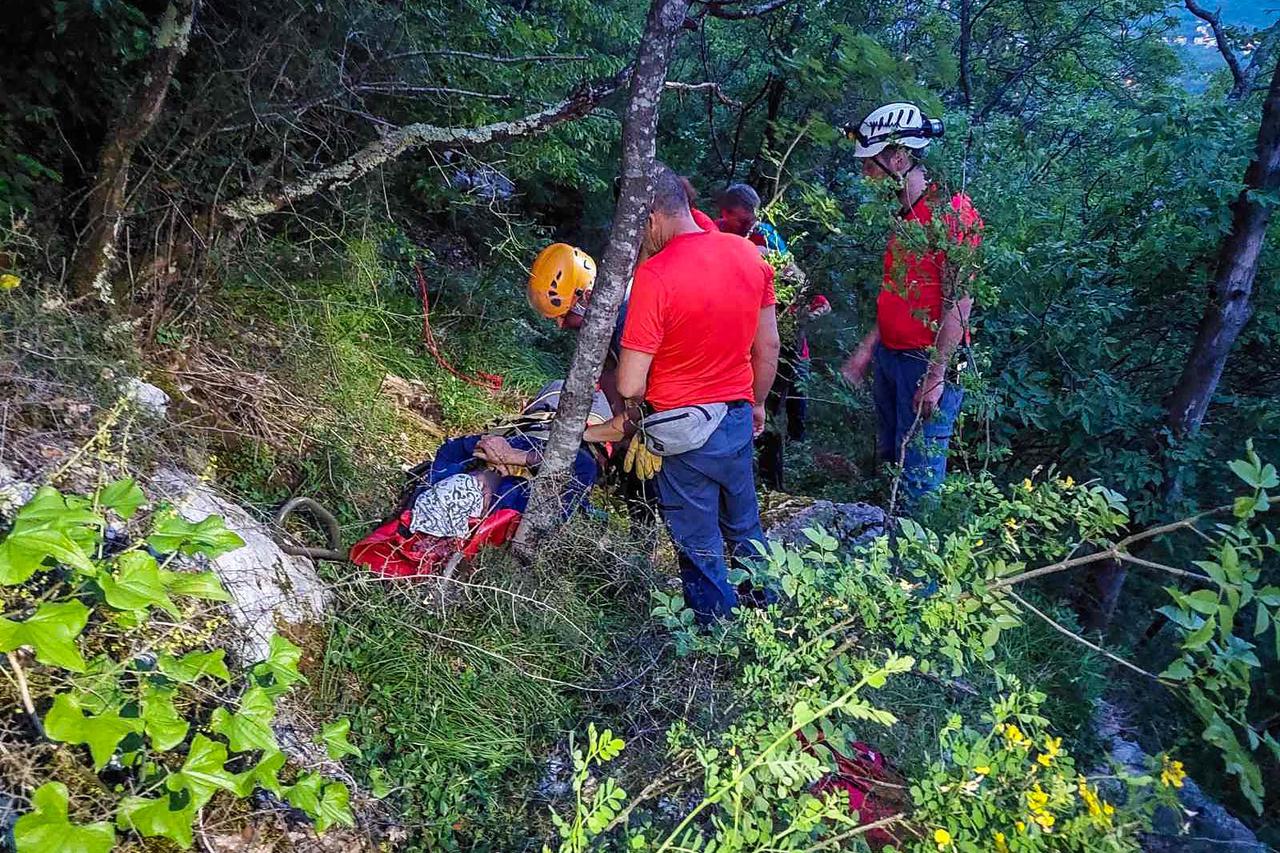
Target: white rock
147 397
267 586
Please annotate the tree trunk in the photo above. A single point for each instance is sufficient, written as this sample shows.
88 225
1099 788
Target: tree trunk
966 46
776 87
97 254
639 144
1231 299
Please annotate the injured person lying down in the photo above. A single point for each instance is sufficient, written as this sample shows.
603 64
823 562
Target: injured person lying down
475 490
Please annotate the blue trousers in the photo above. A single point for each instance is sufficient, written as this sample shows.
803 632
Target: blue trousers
708 500
921 448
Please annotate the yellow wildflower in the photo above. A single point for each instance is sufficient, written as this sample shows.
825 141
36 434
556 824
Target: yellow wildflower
1068 482
1026 485
9 281
1022 827
942 838
1014 735
1171 772
1045 820
982 770
978 543
1051 749
1100 811
1011 524
1037 799
1002 846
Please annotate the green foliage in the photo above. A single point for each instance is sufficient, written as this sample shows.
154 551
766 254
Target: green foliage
1007 785
592 813
45 829
999 778
135 711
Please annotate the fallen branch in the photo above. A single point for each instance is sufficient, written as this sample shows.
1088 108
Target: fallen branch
490 57
412 137
1062 629
24 691
1118 551
718 9
710 86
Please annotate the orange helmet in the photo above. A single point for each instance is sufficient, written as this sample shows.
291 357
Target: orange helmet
559 277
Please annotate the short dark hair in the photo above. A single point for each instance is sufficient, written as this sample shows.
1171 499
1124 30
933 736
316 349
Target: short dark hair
739 196
669 195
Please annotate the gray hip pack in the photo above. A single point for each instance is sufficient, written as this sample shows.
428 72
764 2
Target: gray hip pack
676 431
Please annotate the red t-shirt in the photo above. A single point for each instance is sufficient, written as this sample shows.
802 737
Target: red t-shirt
706 223
695 306
909 308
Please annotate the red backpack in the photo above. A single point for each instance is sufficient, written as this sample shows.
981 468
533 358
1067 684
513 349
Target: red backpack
393 550
875 790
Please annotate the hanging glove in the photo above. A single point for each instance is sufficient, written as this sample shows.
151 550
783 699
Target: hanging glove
641 461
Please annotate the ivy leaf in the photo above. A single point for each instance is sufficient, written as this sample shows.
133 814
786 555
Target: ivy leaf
305 793
48 508
204 772
163 724
249 728
334 736
192 666
265 775
23 553
209 536
102 733
281 665
335 807
156 818
136 584
45 829
51 631
195 584
378 780
327 804
123 496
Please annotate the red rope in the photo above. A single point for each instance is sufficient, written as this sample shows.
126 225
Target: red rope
488 381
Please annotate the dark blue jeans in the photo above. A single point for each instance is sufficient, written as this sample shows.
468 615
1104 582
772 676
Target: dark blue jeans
921 448
708 500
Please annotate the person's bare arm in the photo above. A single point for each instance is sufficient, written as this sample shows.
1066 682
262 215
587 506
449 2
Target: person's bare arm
955 320
764 362
632 378
610 430
859 362
633 373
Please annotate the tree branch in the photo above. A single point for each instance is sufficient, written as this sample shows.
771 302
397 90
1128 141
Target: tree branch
719 9
489 57
1062 629
1117 551
411 137
1214 20
707 86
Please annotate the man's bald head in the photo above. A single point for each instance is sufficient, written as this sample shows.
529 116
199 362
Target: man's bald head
669 213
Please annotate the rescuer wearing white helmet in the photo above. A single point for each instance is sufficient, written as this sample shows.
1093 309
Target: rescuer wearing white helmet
919 323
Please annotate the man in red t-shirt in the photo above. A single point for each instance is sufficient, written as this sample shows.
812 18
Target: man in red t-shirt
701 328
920 319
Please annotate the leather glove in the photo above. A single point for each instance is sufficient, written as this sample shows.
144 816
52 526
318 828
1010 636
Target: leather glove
641 461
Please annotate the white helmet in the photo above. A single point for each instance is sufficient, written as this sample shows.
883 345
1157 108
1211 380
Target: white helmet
893 124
